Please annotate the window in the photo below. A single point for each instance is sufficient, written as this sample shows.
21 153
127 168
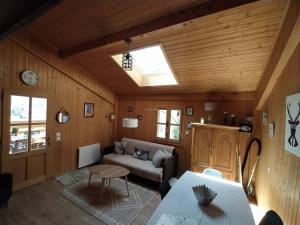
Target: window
168 124
27 123
150 67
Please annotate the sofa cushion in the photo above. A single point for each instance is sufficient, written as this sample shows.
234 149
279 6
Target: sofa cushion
120 147
147 146
140 154
159 156
135 166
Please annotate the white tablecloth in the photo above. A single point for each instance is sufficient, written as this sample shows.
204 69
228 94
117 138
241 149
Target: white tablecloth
230 207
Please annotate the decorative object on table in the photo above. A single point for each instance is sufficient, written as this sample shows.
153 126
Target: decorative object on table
130 121
62 116
233 119
189 111
246 127
127 59
225 118
189 125
30 77
204 194
292 127
88 110
202 120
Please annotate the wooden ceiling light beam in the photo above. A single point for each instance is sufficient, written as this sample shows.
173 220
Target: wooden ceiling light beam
22 17
287 40
191 13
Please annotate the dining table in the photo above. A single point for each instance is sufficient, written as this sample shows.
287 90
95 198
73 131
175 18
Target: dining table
180 206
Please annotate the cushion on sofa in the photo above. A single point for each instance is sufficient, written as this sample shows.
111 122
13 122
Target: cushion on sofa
120 147
147 146
135 166
159 156
140 154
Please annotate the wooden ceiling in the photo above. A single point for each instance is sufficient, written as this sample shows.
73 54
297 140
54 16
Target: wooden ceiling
221 52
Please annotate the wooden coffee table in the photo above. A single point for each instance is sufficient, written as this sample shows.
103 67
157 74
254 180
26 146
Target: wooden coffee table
106 172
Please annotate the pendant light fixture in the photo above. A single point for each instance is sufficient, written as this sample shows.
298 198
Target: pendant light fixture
127 60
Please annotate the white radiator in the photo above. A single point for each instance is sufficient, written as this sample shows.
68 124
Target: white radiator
88 154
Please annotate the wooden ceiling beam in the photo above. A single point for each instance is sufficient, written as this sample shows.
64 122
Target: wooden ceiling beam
191 13
287 40
18 19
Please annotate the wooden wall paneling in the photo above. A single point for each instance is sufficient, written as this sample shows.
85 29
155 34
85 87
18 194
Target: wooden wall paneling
287 40
148 105
63 91
279 188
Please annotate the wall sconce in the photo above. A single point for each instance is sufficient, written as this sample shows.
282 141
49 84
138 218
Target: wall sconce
111 116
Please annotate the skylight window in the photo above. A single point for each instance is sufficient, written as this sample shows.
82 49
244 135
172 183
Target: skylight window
150 67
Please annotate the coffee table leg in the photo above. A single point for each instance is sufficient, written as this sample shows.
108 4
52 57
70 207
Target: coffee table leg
126 185
90 179
108 182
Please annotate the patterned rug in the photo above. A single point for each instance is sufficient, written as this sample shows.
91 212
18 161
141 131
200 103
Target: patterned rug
112 206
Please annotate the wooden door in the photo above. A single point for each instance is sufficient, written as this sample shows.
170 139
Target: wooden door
26 137
201 148
224 150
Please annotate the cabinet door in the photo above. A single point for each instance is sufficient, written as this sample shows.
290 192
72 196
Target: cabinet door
201 148
224 149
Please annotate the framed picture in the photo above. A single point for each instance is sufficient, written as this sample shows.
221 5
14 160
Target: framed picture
292 127
88 109
189 111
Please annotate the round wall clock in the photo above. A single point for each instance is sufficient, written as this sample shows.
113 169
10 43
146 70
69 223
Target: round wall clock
30 78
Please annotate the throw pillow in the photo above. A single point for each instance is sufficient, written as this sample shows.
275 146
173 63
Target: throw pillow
157 158
120 147
140 154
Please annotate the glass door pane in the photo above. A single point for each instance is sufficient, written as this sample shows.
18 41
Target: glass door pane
18 139
19 109
39 110
38 137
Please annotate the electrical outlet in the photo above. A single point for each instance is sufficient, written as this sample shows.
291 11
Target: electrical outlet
265 118
271 130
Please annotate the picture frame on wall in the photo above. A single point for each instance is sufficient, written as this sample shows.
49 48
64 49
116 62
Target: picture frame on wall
88 110
189 111
292 124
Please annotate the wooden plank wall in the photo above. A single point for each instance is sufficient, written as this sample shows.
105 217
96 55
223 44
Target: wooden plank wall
279 189
67 86
147 105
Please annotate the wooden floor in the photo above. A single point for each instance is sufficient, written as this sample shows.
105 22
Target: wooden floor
43 204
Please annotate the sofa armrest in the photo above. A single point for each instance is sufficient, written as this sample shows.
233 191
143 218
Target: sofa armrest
169 167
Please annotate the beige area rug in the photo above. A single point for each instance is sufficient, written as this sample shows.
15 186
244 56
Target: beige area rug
112 206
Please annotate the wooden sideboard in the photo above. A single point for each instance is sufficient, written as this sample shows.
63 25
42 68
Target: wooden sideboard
215 146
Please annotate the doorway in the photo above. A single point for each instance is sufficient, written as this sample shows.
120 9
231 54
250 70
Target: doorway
26 133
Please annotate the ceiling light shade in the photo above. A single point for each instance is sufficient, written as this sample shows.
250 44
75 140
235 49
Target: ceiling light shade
130 122
127 61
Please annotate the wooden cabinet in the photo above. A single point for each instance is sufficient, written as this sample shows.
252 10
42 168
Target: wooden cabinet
214 146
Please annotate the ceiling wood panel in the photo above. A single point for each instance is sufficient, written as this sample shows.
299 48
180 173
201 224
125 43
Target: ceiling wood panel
223 52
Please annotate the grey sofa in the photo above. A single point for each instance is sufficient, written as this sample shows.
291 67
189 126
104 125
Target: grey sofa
143 168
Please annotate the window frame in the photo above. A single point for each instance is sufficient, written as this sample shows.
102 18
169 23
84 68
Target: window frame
168 124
